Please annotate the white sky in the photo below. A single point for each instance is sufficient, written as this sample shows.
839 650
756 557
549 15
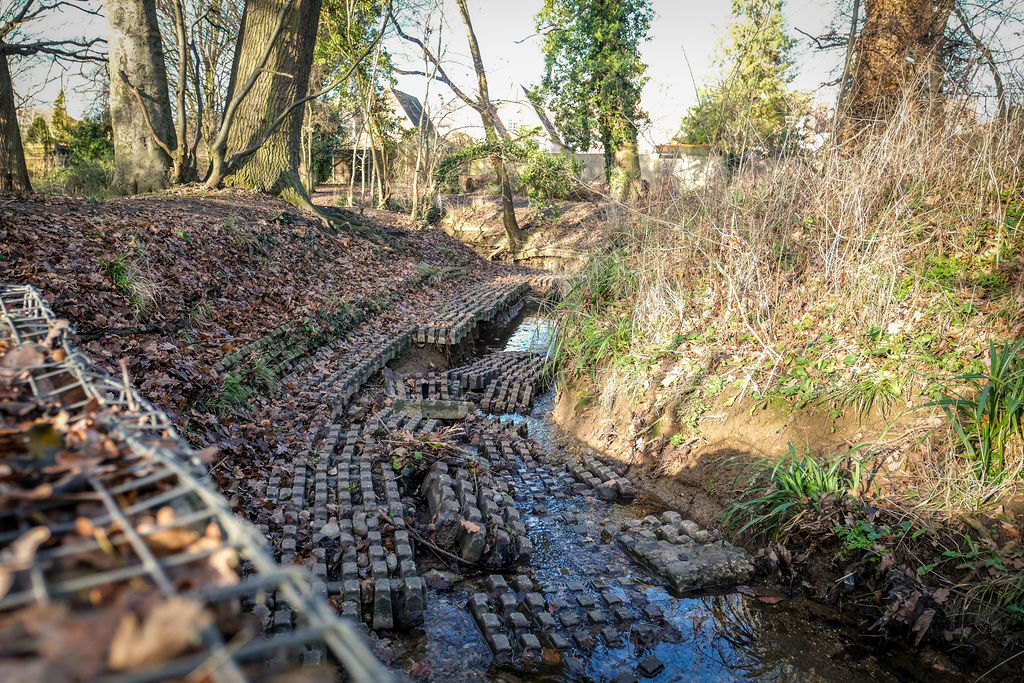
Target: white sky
684 37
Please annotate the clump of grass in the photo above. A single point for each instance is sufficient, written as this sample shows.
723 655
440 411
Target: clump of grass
263 375
128 278
231 396
596 315
880 389
778 492
988 418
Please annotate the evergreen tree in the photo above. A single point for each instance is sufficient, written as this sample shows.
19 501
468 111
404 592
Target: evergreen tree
748 108
593 77
63 126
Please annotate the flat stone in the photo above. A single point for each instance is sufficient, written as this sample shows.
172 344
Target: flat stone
518 622
489 623
529 641
501 647
477 604
653 612
650 666
569 619
559 642
611 598
545 621
597 616
534 602
507 603
622 614
585 601
496 583
522 584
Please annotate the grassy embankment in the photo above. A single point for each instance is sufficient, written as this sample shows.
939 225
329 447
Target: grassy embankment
878 284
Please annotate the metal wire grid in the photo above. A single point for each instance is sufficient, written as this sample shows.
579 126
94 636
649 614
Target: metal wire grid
155 469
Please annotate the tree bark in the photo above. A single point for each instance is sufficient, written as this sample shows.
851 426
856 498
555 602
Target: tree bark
181 156
142 132
627 159
508 213
13 171
899 42
273 168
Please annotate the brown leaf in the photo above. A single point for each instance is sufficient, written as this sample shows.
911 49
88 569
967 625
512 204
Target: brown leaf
19 555
169 629
470 527
550 656
421 669
922 625
770 599
19 358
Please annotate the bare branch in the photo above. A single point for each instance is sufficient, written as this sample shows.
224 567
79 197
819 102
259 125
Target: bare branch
441 75
145 114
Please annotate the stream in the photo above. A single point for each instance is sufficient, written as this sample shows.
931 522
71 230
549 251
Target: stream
639 628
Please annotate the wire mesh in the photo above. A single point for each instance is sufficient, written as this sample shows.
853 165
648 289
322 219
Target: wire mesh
144 522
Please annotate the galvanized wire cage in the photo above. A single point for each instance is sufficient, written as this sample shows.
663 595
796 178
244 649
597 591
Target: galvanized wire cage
144 523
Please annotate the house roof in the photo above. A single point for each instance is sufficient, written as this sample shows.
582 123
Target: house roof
413 110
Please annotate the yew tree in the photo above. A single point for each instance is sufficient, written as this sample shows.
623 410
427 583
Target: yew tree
594 76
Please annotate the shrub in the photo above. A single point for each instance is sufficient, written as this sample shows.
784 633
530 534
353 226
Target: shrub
548 178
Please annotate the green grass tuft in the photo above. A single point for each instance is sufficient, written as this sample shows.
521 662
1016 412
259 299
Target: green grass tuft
776 492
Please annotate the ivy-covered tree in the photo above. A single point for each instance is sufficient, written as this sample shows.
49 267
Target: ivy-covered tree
751 105
593 78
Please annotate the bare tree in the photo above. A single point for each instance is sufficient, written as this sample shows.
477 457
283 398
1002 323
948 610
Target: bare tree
483 106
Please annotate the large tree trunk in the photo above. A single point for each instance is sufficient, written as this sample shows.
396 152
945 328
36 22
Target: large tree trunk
140 109
13 172
273 168
508 213
898 43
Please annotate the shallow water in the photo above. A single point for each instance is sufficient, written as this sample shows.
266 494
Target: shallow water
712 637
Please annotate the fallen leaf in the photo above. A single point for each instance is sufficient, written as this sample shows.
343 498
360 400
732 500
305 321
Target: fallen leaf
19 555
770 599
168 630
421 669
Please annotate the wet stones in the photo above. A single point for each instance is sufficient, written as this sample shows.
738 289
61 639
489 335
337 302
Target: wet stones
607 484
687 557
475 528
460 315
650 666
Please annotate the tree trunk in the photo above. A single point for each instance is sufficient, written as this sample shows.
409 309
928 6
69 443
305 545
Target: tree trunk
181 160
273 168
627 160
898 43
140 113
13 172
508 213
